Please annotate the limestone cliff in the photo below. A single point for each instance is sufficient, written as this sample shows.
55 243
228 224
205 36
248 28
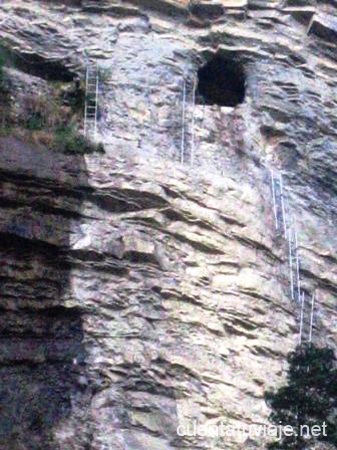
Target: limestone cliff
140 293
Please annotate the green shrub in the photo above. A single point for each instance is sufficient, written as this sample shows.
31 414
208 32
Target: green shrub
69 141
41 113
5 129
35 122
75 96
309 398
4 92
44 118
2 64
105 74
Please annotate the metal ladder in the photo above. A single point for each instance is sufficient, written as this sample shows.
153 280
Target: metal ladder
283 219
187 145
91 101
294 264
279 203
311 317
283 223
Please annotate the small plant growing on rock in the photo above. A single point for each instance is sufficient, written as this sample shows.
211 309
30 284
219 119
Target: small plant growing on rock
49 117
74 96
3 81
41 113
67 140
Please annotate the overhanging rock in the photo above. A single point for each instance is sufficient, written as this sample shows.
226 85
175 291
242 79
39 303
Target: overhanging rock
301 10
323 26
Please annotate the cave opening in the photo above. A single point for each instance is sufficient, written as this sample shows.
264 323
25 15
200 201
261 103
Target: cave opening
37 65
221 82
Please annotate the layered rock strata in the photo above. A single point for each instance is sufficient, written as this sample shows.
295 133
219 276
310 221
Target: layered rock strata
140 294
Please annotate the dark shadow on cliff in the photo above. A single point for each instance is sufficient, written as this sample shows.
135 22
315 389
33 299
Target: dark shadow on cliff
41 338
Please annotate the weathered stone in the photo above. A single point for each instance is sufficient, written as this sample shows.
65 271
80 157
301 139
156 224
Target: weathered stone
324 26
138 293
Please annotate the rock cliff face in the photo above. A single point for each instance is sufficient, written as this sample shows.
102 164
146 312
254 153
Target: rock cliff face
139 293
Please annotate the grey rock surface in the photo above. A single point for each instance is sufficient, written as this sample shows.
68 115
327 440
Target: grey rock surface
140 294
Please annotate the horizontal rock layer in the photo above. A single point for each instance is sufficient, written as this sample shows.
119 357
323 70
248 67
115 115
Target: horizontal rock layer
140 294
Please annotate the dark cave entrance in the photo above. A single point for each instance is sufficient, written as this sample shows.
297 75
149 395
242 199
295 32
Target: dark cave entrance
221 82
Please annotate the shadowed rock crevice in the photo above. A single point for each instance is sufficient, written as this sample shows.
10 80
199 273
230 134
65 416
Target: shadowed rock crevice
41 339
173 275
36 65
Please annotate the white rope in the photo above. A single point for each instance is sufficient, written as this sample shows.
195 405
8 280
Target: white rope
283 208
193 122
297 259
281 203
96 103
301 320
274 198
312 316
182 149
291 275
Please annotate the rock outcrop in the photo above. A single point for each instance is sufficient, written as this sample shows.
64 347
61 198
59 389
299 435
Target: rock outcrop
139 293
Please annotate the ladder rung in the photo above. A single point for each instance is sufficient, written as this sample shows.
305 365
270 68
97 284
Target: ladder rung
91 91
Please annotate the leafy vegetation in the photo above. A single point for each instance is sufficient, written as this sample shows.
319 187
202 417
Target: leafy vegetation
39 112
75 96
4 82
309 398
34 122
67 140
2 77
47 120
5 130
